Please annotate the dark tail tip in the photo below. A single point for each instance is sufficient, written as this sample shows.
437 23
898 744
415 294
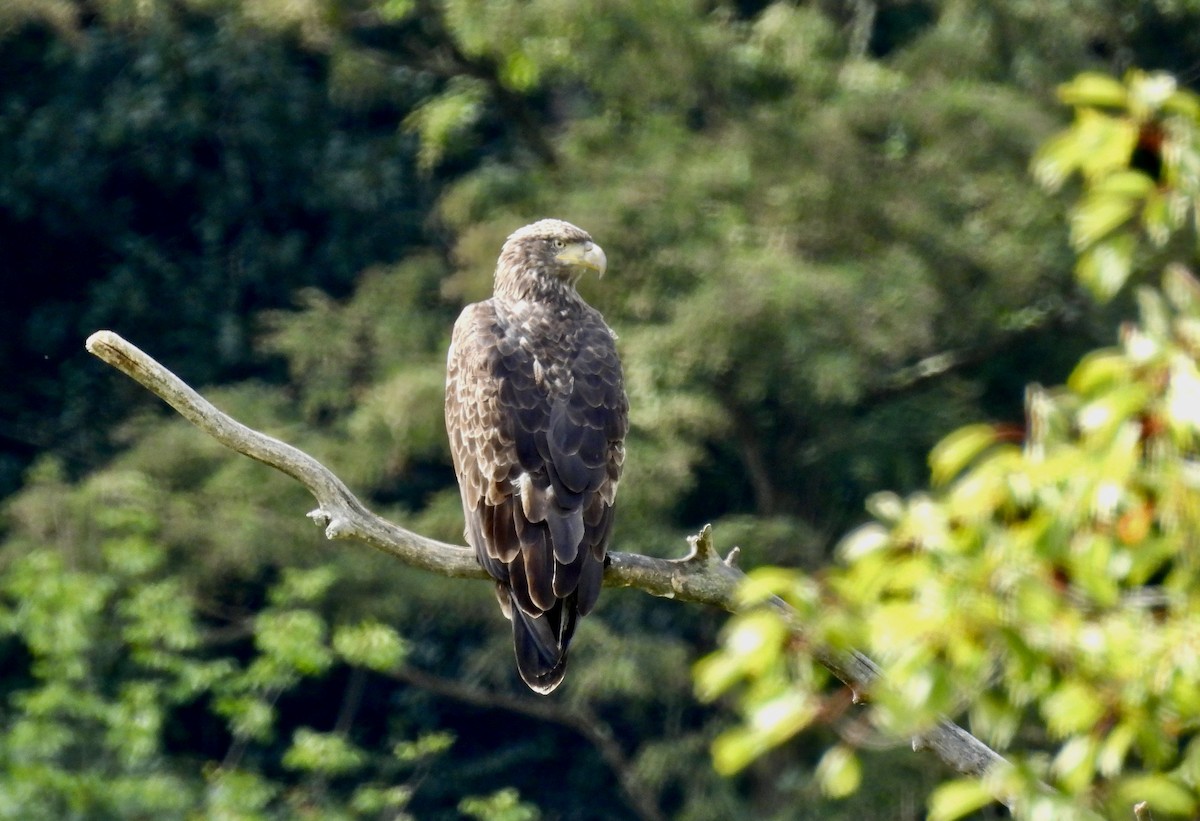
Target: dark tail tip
541 651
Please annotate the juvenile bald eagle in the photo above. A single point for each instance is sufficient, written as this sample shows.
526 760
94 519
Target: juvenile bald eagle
537 416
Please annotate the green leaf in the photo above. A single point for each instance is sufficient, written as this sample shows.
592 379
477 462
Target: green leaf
326 753
755 638
1125 183
1182 289
377 801
995 720
1099 369
763 583
735 748
862 541
393 11
1149 92
770 723
951 455
1105 143
954 799
294 639
428 745
839 772
1111 758
249 717
236 794
503 805
716 673
1102 416
371 645
1160 217
1105 267
1183 103
302 585
520 72
885 506
1075 763
1097 216
1057 159
442 123
1093 89
1073 707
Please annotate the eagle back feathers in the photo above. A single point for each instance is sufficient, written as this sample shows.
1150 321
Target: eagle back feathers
537 415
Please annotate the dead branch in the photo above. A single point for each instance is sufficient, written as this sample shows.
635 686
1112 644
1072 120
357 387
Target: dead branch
701 576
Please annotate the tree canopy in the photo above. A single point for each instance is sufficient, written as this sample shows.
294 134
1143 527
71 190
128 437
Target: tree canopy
827 251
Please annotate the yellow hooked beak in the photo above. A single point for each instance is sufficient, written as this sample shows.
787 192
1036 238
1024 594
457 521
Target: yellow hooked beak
587 255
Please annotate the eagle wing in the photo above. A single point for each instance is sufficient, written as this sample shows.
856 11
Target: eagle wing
537 418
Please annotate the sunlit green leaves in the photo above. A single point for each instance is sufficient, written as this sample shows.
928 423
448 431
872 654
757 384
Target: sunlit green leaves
371 645
302 586
443 123
426 746
293 640
119 647
1123 197
1094 90
839 771
326 753
1105 266
503 805
954 799
1072 707
1018 589
752 644
238 794
770 723
956 451
249 717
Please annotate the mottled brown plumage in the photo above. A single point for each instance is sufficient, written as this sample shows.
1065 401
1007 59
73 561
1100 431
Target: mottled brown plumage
537 417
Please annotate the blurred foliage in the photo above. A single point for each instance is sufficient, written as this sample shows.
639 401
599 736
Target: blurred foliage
1137 147
826 252
166 171
1048 587
115 651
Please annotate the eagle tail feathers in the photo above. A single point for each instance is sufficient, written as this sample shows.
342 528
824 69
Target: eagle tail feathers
541 650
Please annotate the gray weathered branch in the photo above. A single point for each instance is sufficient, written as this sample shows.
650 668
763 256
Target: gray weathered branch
701 576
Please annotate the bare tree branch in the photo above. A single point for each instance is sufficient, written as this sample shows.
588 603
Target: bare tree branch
701 576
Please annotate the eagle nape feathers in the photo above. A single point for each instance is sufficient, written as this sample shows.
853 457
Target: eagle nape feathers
537 415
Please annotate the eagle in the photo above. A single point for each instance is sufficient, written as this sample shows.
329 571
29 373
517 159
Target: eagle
536 414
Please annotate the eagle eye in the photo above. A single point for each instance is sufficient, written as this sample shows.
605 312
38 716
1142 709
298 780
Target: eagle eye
558 243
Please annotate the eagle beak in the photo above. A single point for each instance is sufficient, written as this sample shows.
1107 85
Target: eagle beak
587 255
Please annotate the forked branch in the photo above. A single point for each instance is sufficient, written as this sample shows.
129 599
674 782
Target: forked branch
701 576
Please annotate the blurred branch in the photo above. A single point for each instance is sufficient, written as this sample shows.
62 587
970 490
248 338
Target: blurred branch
702 576
862 25
578 719
1034 319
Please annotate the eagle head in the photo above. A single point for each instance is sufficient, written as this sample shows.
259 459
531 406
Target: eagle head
546 255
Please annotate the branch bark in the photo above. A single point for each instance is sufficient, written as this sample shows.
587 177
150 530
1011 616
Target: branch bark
702 576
